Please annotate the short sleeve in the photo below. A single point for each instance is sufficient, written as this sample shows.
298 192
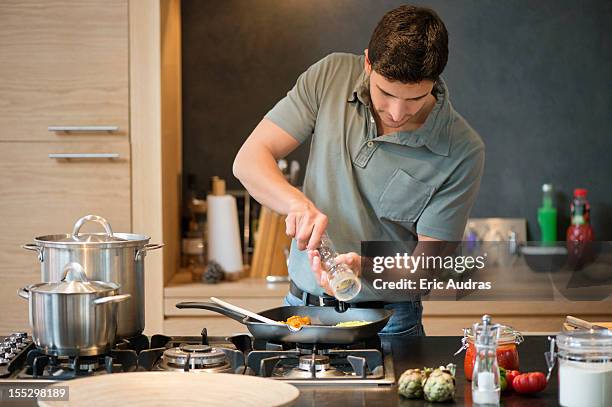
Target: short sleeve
447 212
297 112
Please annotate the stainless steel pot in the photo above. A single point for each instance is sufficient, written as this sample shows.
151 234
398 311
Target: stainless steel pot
75 317
108 256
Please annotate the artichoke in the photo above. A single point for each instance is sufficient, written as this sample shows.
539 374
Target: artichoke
440 384
411 383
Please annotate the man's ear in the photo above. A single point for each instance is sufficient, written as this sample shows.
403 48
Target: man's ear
366 64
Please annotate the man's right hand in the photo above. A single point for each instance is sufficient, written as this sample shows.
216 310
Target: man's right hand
306 223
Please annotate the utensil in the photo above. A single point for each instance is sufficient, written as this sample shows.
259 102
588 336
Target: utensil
243 311
283 166
108 256
322 331
252 314
581 323
75 316
294 169
178 389
550 357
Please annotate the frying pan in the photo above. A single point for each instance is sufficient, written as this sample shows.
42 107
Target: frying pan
322 330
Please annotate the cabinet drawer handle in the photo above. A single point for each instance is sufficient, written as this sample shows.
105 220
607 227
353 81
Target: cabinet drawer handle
84 129
84 155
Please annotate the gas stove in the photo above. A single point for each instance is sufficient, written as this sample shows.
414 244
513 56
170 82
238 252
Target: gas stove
367 363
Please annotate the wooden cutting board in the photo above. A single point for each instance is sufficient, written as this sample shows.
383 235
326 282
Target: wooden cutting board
176 389
568 327
270 244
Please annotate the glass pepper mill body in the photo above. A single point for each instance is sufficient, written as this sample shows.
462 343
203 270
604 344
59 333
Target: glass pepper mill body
485 377
343 282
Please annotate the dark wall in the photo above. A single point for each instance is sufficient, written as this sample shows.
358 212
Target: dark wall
533 78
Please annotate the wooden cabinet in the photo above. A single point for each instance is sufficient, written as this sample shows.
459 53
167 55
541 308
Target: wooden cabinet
42 195
88 63
64 63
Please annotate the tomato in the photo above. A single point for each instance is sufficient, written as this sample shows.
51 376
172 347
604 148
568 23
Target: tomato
529 382
510 375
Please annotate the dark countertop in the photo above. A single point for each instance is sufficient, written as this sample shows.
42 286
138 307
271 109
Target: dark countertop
434 351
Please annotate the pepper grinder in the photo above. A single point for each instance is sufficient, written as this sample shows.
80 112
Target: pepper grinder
486 387
344 283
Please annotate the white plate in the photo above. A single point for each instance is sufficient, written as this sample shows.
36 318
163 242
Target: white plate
176 389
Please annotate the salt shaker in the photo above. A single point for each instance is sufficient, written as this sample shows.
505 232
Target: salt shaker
343 282
486 387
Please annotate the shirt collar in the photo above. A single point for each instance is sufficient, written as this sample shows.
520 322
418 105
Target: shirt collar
433 134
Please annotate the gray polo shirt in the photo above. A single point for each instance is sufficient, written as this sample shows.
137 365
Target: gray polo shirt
372 187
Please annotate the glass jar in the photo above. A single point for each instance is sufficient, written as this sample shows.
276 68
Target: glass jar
344 283
585 368
507 349
486 386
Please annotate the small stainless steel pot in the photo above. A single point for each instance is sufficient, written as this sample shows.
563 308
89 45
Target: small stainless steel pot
75 316
108 256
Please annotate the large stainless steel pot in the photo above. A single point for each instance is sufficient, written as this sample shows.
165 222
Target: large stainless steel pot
108 256
75 316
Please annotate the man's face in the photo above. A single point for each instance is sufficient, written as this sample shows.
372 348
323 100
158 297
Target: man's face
397 103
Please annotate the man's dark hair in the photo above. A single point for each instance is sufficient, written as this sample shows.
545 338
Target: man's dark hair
409 44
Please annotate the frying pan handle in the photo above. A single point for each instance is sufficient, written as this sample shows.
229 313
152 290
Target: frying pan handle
211 306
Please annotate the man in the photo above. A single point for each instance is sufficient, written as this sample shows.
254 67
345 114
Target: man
390 159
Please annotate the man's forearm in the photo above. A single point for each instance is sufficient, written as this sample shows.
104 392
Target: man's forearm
259 173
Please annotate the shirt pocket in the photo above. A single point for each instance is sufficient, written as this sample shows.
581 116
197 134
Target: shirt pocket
404 198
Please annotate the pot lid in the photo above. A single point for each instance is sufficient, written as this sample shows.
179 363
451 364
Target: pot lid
106 237
585 340
78 238
74 282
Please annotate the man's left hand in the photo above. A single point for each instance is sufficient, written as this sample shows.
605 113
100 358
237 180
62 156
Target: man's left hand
352 259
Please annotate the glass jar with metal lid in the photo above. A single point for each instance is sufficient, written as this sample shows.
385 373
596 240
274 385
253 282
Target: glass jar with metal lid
507 349
585 367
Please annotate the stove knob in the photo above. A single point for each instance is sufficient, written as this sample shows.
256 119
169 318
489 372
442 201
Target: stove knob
8 355
4 361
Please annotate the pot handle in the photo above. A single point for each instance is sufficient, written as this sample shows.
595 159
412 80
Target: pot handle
140 253
92 218
236 316
35 248
112 298
24 293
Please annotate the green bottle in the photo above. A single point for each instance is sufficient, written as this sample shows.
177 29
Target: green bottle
547 216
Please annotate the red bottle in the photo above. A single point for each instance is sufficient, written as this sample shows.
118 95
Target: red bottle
579 233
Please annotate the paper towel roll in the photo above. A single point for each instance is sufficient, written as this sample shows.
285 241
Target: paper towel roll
224 232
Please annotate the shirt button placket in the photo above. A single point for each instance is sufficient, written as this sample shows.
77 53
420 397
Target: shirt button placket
367 149
365 153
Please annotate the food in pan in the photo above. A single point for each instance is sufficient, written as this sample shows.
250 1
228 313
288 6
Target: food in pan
351 323
297 321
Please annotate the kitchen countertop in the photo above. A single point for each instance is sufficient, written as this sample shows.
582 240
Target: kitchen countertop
419 352
433 351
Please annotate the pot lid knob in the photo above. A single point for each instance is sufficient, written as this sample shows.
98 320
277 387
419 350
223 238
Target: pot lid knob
74 272
90 237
